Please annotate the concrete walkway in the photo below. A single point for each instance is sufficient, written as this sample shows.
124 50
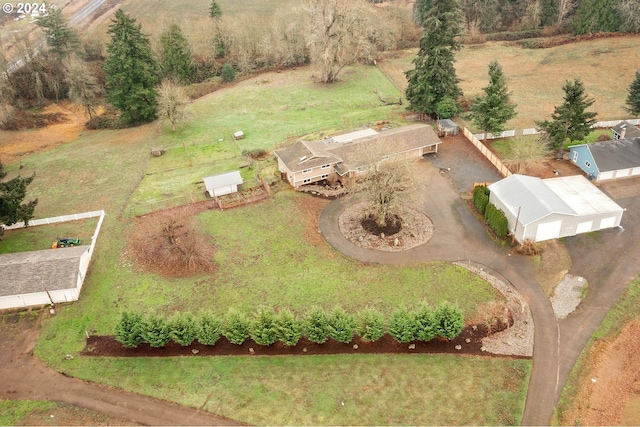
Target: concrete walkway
458 236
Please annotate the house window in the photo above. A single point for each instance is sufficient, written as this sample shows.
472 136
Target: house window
306 180
307 170
324 176
587 164
575 156
326 166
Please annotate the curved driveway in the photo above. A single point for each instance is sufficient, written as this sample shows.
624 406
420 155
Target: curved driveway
459 236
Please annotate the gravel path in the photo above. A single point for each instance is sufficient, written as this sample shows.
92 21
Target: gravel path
516 340
568 295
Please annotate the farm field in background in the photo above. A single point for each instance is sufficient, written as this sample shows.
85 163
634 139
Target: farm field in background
535 76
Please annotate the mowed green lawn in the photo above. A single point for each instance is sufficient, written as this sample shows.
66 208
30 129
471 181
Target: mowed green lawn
268 108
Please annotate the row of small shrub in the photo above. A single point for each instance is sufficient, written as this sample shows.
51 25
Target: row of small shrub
494 216
266 326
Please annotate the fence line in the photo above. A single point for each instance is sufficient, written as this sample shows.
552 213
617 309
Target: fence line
495 161
535 131
55 219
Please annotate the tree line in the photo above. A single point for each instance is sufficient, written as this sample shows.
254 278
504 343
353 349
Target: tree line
266 326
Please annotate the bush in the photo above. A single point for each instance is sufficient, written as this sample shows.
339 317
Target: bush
129 329
447 108
236 327
341 325
228 73
289 329
370 324
316 325
496 220
183 329
263 327
107 120
255 153
402 325
425 323
156 331
481 198
209 329
449 320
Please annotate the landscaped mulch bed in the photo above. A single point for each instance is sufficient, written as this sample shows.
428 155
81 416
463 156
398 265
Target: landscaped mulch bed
109 347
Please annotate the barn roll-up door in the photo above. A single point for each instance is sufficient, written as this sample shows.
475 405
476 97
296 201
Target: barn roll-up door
548 230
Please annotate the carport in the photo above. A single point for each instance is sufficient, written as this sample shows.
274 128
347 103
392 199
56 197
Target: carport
538 209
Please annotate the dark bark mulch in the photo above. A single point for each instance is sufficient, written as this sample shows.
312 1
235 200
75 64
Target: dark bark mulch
109 347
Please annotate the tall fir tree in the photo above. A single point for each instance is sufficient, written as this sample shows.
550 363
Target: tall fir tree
633 96
491 111
12 194
433 78
594 16
570 121
214 10
132 71
176 59
61 39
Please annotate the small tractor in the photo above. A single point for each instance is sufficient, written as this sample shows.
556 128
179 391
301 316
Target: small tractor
65 242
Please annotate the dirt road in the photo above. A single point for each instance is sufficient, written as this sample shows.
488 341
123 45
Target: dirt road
23 376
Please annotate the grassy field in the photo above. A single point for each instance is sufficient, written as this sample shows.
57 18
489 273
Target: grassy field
375 389
502 147
626 309
535 76
269 109
42 236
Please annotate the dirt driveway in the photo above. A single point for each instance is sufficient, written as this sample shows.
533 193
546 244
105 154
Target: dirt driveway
24 376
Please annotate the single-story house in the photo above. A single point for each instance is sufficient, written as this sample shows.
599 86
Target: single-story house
42 277
542 209
225 183
617 158
625 130
342 157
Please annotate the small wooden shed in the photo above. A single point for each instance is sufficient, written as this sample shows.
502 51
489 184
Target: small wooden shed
225 183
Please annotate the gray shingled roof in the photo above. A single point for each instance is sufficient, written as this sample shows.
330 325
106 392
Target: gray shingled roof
304 154
626 129
616 154
29 272
531 196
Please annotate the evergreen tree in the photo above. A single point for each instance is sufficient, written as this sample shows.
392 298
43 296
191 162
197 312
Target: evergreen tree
61 38
420 9
214 10
263 328
491 111
129 329
132 71
288 327
402 325
570 121
341 325
433 77
176 63
594 16
156 331
12 193
316 325
236 327
209 328
633 96
449 320
425 323
183 329
370 324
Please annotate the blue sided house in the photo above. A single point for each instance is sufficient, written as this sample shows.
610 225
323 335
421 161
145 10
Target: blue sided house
614 159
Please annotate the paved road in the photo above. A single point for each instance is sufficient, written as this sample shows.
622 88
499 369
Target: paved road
608 260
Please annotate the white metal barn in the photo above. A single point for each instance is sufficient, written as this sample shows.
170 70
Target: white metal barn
546 209
226 183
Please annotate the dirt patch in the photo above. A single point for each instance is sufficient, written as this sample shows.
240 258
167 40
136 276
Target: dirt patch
309 209
415 229
554 264
108 346
70 415
612 385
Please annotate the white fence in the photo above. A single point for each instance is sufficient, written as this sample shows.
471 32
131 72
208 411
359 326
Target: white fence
535 131
56 219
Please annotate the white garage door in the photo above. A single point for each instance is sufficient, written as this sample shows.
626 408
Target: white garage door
548 230
608 222
605 175
584 227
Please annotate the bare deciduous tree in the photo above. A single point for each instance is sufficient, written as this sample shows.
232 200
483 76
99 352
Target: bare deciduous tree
531 18
339 36
172 102
565 7
84 90
526 152
386 182
629 14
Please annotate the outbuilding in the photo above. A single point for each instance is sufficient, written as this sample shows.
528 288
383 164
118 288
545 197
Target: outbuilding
606 160
225 183
542 209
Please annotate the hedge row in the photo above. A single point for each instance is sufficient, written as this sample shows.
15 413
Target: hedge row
481 198
496 220
266 326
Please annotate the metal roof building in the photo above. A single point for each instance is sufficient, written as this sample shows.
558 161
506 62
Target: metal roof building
538 209
225 183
